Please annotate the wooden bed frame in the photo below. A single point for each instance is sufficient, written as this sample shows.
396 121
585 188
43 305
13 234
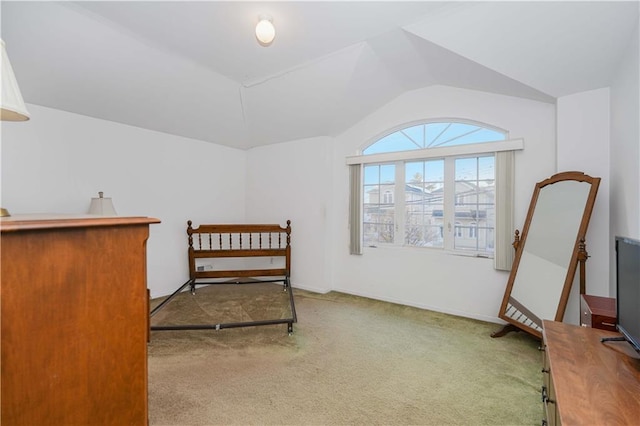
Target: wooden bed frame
237 241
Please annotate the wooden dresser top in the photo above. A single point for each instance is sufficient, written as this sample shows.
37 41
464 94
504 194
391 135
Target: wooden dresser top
49 221
596 383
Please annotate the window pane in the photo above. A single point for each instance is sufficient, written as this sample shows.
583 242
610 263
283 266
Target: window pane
387 173
421 197
466 169
486 169
416 135
391 143
474 203
486 135
454 132
431 135
434 132
424 203
378 210
371 175
414 172
434 171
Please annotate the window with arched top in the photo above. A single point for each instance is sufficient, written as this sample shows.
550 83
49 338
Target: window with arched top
435 134
443 175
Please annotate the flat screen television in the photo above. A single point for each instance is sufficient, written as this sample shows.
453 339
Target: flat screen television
628 289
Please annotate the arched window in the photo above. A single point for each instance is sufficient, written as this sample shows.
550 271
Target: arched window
435 134
443 173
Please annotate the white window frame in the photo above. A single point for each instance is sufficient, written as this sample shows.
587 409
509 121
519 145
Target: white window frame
454 229
440 152
449 154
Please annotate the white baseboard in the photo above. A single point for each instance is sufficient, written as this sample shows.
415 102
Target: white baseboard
485 318
311 289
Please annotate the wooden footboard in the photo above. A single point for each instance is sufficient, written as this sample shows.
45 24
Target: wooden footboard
209 247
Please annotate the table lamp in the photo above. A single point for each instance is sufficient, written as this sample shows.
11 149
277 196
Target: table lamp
13 107
102 206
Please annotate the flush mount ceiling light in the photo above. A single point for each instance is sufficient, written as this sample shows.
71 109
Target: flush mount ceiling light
265 31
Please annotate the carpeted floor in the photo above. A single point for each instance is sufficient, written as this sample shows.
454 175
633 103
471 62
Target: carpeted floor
350 361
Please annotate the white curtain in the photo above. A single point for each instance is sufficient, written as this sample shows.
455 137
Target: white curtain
504 252
355 205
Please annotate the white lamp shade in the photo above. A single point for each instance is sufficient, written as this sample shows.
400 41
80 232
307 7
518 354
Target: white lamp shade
265 31
13 108
102 206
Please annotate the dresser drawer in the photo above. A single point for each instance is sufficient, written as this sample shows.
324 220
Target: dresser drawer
598 312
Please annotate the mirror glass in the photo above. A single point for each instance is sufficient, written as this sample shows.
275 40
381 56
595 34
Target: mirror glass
547 253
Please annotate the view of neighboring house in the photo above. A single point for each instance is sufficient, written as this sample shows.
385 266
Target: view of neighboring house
424 215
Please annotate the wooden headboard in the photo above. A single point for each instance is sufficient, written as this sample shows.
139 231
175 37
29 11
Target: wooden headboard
237 241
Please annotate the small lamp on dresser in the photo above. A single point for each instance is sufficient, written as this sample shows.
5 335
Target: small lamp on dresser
13 107
102 206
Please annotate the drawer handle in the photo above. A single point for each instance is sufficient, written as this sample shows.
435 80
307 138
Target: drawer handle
608 324
545 396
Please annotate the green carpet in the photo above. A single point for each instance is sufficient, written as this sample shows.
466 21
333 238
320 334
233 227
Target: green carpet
350 361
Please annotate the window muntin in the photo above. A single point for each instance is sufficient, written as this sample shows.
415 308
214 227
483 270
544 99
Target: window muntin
378 225
433 135
444 202
424 203
475 203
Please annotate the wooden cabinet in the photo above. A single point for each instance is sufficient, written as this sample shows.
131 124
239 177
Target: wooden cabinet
74 327
598 312
587 382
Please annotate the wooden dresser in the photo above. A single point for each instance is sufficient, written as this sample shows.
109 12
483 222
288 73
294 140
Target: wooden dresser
74 320
587 382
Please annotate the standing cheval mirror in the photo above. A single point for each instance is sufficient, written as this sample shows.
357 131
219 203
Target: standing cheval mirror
548 252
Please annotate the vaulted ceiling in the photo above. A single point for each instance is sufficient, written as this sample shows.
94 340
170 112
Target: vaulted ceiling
195 68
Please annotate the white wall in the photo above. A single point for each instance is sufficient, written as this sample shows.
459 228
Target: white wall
293 181
583 145
307 182
625 148
57 161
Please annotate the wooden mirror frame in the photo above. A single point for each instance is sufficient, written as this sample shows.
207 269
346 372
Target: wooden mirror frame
532 323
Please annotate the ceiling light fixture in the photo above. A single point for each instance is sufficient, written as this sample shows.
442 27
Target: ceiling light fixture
265 31
13 108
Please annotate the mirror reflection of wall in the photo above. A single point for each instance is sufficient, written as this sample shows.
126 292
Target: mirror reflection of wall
549 246
547 255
